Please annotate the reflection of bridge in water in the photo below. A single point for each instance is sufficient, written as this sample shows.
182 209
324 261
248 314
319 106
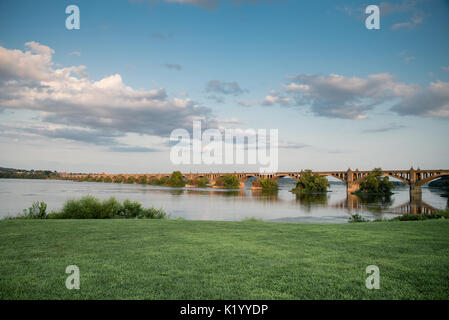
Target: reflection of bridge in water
414 178
354 203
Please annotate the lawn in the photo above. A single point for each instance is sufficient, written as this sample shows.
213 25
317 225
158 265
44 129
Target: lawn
178 259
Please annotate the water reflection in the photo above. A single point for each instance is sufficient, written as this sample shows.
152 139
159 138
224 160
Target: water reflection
310 200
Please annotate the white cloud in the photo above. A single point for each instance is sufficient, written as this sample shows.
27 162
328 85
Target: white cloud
346 97
432 101
66 96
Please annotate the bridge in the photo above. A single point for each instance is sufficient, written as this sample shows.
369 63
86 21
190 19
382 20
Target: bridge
414 178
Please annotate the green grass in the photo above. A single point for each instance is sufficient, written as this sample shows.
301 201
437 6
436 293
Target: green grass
180 259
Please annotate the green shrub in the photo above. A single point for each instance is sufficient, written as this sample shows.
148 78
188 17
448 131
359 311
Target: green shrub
89 207
357 218
111 208
38 210
442 214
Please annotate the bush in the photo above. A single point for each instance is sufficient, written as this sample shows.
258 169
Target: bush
357 218
442 214
89 207
38 210
311 182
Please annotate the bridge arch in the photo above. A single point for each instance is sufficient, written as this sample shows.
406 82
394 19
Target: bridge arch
337 175
432 177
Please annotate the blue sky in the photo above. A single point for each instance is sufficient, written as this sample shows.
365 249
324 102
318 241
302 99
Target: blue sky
307 68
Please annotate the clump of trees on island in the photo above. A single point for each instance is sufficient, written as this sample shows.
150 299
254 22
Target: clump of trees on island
310 182
266 184
228 181
375 184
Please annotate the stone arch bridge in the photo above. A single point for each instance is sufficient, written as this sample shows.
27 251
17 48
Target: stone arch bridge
414 178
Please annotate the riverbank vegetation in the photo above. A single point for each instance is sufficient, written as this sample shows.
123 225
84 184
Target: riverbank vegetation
89 207
182 259
310 182
9 173
441 214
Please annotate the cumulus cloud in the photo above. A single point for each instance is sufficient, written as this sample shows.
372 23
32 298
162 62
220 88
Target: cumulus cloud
445 68
75 53
346 97
431 101
66 96
222 87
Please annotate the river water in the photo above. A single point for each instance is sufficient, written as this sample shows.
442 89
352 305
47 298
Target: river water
216 204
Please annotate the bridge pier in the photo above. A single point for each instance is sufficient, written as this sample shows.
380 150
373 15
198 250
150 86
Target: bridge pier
352 187
415 193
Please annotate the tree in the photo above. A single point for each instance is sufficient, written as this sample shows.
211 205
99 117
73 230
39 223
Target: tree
143 179
201 182
228 181
311 182
266 184
131 180
176 180
374 183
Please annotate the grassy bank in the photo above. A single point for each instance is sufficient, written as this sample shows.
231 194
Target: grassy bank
176 259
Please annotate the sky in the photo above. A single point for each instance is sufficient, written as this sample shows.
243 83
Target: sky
106 97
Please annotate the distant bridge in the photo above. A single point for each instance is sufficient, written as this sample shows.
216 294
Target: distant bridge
414 178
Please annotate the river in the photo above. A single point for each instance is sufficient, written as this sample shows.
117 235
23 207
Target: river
216 204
